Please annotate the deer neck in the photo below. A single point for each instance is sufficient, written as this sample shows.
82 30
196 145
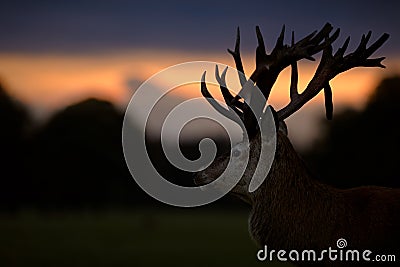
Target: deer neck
290 207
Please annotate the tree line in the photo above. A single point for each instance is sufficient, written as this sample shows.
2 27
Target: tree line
75 160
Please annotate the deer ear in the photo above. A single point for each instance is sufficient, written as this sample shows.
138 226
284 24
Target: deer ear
279 125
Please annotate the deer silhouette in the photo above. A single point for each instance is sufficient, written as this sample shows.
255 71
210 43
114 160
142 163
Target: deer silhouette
292 209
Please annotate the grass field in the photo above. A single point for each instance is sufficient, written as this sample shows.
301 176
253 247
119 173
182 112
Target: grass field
176 237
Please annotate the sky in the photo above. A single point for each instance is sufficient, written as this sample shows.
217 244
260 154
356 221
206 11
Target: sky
55 53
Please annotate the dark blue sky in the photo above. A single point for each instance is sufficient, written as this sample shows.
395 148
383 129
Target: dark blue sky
106 26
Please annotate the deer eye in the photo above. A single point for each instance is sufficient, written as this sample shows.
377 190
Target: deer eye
236 153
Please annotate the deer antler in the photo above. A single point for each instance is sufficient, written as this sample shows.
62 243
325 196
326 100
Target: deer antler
269 66
330 66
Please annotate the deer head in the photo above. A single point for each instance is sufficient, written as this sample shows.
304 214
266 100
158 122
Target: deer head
268 67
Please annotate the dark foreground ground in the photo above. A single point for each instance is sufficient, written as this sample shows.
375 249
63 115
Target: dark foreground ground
168 237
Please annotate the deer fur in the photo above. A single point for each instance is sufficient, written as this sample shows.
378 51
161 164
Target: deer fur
293 210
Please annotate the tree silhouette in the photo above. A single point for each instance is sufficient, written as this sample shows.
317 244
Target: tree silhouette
13 183
78 160
75 160
362 148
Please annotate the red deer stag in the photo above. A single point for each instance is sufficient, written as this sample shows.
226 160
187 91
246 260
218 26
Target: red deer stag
291 209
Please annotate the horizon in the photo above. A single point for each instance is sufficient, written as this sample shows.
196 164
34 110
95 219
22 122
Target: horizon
60 53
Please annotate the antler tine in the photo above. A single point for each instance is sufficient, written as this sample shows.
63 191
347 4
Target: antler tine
311 44
328 101
245 120
283 55
294 79
262 74
215 104
306 39
329 67
261 55
279 41
321 35
261 66
228 97
328 41
237 58
378 43
343 49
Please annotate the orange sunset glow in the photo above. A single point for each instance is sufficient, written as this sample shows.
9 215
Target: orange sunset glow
49 82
